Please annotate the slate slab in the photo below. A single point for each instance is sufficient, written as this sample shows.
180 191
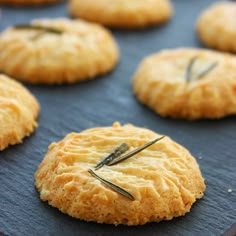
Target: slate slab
101 102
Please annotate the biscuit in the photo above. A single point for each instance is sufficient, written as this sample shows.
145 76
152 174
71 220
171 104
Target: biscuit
188 83
18 112
122 13
164 179
57 51
216 26
27 2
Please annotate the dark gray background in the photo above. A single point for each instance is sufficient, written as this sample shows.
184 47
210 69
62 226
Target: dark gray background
101 102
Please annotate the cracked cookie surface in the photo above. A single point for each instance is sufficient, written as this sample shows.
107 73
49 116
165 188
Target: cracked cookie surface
18 112
216 26
55 51
122 13
164 179
188 83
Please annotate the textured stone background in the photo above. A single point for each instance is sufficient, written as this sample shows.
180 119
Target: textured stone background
101 102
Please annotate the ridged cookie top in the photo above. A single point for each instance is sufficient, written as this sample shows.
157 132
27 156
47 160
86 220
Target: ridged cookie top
188 83
66 51
164 179
216 26
18 112
122 13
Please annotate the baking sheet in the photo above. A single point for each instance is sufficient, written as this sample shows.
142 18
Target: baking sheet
100 102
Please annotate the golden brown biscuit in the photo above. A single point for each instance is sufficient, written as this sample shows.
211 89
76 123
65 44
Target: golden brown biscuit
188 83
27 2
18 112
122 13
216 26
164 179
57 51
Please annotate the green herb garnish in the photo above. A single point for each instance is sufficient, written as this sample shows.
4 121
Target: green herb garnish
133 152
38 27
42 29
112 160
207 70
188 75
117 152
112 186
189 68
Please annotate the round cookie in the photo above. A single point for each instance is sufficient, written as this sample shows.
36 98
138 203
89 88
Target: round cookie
216 26
28 2
18 112
122 13
188 83
164 179
57 51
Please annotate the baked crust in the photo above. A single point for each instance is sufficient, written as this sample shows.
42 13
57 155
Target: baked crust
122 13
82 51
216 26
160 83
18 112
164 179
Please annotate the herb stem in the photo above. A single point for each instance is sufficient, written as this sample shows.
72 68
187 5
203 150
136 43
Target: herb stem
207 70
189 68
114 187
118 151
202 73
133 152
38 27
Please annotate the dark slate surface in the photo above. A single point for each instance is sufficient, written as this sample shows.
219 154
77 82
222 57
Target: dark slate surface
101 102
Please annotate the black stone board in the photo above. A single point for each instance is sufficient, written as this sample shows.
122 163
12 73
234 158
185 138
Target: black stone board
100 102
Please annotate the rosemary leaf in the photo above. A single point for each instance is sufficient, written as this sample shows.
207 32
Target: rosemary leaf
189 68
112 186
117 152
38 35
38 27
133 152
207 70
202 73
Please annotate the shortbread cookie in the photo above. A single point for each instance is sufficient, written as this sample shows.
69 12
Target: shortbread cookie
188 83
27 2
122 13
216 26
57 51
18 112
163 179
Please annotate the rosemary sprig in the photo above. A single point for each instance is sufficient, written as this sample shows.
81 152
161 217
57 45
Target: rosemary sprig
188 75
38 27
112 186
207 70
189 68
117 152
41 30
133 152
